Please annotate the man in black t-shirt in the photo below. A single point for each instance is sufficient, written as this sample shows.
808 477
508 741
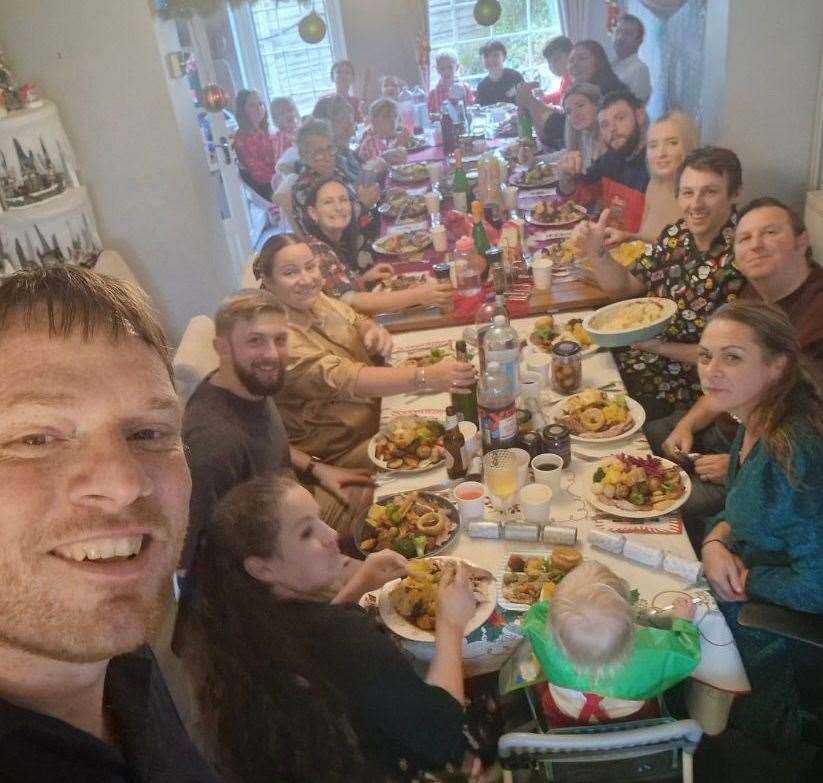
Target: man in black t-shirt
500 86
232 429
94 494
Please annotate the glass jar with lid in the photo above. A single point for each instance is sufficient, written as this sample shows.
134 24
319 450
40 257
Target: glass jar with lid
566 367
556 439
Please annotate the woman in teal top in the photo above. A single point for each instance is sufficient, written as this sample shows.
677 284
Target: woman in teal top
767 543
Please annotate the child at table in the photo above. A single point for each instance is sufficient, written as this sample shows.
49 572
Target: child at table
599 664
382 139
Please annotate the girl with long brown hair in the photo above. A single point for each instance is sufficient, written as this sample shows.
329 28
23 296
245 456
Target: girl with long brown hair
295 689
767 543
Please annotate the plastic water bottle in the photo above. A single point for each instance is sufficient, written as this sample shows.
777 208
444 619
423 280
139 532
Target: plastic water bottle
501 345
465 275
496 409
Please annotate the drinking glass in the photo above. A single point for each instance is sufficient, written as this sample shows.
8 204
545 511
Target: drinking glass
500 477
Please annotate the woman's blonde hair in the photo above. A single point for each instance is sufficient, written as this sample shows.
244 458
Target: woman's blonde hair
592 618
686 126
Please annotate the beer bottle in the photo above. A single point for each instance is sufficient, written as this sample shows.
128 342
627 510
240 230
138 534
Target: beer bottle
464 400
453 442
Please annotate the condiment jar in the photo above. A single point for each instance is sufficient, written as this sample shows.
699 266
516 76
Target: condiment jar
566 367
557 440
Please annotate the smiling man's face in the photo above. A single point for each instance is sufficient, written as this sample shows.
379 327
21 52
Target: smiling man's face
94 492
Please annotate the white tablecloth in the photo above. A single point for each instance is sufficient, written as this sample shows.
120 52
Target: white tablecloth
721 668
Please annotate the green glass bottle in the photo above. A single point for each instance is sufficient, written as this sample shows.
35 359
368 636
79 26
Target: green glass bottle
460 184
464 401
481 240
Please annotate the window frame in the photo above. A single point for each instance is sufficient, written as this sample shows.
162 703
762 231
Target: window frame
537 66
246 42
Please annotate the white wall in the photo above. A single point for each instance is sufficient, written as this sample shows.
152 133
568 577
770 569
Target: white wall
136 139
760 84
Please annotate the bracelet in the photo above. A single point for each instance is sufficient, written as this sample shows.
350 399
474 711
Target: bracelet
714 541
306 476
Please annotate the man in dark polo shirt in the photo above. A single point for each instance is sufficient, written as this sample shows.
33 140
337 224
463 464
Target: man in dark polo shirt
772 252
94 493
618 178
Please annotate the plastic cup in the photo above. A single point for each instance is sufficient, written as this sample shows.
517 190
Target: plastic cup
440 238
547 469
468 429
536 503
522 458
542 273
530 384
435 170
510 196
471 500
432 199
541 363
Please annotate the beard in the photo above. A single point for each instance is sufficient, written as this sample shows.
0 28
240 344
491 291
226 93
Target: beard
626 149
256 385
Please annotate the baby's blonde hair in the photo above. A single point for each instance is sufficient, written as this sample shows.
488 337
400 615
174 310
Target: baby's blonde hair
591 617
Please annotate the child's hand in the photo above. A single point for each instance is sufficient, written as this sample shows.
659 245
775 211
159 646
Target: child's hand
683 608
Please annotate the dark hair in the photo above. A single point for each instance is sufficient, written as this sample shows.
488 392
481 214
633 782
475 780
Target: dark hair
269 714
795 399
240 112
798 226
604 76
68 298
329 106
346 248
340 64
493 46
641 28
557 44
615 96
264 262
718 160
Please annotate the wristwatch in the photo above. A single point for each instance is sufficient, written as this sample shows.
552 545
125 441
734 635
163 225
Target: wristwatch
307 474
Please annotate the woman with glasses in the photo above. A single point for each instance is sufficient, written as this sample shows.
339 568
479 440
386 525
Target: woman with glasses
319 160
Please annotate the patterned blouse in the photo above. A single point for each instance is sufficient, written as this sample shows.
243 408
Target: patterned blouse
373 146
699 282
440 92
256 154
338 279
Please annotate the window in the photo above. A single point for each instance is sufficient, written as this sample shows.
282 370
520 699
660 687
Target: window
524 27
290 65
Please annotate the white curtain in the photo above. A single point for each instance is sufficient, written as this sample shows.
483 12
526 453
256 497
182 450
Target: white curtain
581 19
664 8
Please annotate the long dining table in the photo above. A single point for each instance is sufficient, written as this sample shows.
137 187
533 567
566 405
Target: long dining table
720 675
572 292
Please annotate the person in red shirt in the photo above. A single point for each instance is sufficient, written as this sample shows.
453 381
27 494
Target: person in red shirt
254 143
557 53
286 117
342 74
448 66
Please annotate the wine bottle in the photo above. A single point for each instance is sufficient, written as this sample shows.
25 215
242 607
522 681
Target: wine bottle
464 399
481 240
460 184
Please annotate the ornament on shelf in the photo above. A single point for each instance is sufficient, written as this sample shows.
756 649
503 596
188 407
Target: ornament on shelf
30 96
9 91
38 179
214 98
487 12
312 28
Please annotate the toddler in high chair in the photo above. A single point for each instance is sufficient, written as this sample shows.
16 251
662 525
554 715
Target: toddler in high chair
600 665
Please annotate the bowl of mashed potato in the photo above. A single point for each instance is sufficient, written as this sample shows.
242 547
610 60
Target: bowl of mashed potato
623 323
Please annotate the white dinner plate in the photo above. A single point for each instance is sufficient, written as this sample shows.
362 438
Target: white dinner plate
619 512
383 465
635 409
408 630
